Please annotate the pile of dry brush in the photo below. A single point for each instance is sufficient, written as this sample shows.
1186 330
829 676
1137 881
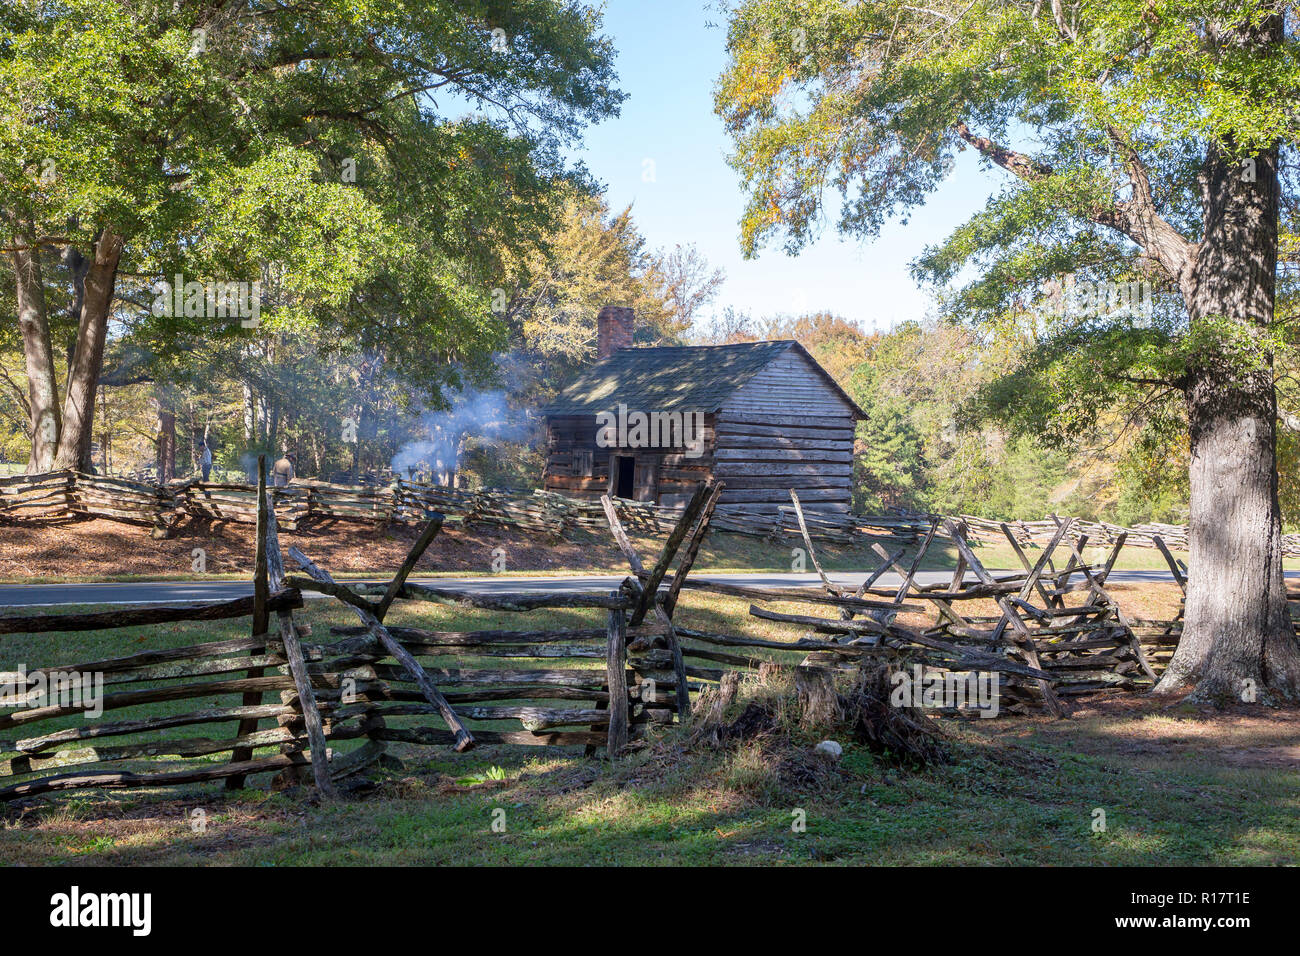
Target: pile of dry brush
814 703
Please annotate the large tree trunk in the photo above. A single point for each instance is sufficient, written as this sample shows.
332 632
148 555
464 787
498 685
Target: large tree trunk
88 357
166 449
42 387
1238 642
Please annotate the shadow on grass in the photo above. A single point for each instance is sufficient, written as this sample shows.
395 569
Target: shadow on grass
1015 796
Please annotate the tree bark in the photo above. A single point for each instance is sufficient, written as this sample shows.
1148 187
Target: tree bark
1237 634
1238 643
88 356
33 323
250 417
106 433
166 457
273 429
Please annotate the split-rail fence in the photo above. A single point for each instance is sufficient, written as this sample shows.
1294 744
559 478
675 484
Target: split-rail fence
288 702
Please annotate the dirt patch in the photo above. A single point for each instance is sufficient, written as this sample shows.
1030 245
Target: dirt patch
1149 600
101 548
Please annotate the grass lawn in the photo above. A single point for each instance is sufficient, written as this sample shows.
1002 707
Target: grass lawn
1176 786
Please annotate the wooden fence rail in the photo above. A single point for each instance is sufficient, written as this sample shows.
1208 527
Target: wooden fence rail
1050 631
58 494
579 686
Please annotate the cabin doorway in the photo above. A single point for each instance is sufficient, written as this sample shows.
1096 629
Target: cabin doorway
624 476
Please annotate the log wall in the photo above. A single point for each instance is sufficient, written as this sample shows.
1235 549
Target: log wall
577 466
786 428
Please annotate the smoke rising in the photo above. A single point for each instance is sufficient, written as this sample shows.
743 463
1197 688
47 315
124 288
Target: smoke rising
474 414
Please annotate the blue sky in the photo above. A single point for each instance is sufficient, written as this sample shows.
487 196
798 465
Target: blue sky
668 61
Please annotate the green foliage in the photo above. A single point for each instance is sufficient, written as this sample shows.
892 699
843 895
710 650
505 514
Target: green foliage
493 774
929 445
865 106
308 149
888 470
592 258
864 100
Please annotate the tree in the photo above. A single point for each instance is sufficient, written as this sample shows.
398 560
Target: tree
683 278
1153 133
592 258
888 465
139 141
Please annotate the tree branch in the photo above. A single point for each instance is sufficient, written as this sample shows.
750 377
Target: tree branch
19 394
1137 217
1142 222
1015 163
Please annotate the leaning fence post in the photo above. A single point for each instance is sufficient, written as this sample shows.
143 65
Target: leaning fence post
616 674
464 740
634 561
692 549
307 706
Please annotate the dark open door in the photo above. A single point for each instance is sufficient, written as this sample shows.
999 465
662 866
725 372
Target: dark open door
624 476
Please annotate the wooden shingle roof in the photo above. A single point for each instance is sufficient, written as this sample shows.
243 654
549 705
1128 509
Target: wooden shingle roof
675 378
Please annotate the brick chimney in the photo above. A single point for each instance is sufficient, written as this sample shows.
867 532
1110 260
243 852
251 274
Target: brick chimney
613 330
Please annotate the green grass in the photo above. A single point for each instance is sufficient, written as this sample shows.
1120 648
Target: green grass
1021 790
1033 805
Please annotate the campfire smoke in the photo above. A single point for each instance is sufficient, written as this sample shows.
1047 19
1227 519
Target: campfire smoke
473 415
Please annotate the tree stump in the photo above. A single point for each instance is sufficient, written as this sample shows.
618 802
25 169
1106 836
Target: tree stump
819 702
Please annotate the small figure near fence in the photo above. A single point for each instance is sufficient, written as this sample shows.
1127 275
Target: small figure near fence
205 459
283 471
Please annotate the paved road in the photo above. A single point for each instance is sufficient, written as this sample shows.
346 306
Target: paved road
168 592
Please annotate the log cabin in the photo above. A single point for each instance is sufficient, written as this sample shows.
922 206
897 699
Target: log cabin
649 423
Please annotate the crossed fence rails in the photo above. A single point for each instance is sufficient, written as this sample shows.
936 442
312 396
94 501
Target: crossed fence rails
1049 632
63 493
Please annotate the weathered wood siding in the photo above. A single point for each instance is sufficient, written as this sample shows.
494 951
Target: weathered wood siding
665 475
787 427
